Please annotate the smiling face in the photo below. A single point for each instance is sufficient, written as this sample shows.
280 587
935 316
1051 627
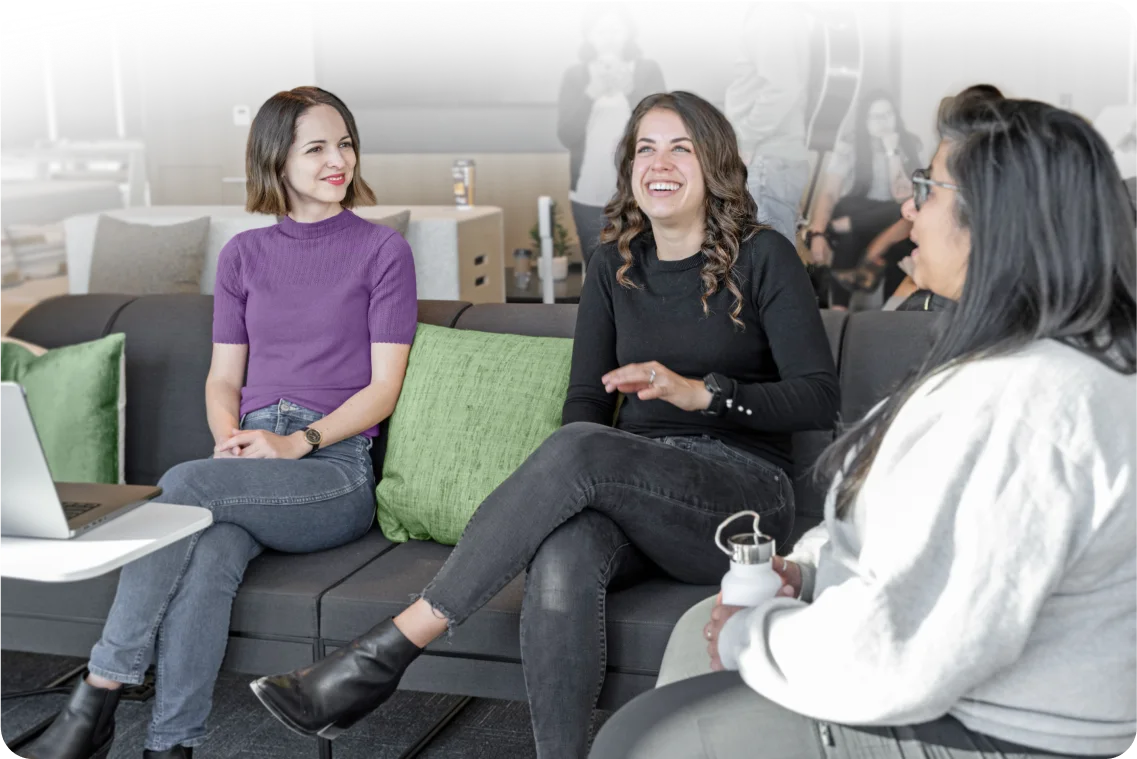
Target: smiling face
667 179
608 36
943 246
321 160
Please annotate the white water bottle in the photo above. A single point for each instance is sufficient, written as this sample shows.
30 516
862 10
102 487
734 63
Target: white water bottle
751 579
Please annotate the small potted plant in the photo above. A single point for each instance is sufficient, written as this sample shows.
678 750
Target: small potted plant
561 247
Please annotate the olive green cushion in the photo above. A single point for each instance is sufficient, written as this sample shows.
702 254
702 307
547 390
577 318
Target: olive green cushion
474 405
77 399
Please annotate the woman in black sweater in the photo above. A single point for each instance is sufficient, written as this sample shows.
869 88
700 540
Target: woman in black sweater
706 322
595 101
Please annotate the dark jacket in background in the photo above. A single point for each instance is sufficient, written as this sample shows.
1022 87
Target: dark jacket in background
574 107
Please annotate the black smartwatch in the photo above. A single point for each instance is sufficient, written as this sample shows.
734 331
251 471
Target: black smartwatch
714 386
313 438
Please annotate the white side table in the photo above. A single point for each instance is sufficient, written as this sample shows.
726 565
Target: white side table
103 549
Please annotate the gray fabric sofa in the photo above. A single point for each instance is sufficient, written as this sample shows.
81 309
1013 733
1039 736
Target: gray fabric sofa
293 608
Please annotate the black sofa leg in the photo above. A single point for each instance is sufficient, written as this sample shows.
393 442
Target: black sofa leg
436 728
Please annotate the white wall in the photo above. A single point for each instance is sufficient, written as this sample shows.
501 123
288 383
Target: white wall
1075 53
483 76
194 64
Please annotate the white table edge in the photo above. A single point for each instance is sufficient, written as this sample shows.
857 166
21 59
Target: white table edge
192 519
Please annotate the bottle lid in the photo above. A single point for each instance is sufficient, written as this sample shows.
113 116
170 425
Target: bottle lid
751 548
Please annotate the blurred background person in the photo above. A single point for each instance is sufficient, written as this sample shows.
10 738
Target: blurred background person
766 104
596 98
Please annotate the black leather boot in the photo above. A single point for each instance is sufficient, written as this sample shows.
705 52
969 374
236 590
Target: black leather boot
177 752
333 694
84 728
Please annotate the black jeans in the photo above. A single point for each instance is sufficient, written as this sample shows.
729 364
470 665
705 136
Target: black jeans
593 506
718 715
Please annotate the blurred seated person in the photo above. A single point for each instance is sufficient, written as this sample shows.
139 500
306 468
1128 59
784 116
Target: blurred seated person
866 181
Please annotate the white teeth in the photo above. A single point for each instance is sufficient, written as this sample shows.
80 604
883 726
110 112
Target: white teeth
663 186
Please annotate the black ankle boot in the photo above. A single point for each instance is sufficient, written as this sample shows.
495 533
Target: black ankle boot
331 695
83 730
177 752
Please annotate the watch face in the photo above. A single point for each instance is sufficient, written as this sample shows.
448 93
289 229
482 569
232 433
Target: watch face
312 436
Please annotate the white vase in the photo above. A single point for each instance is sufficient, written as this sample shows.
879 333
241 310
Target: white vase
560 268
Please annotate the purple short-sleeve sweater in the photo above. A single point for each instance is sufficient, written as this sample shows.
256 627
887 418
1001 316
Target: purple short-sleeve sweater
308 300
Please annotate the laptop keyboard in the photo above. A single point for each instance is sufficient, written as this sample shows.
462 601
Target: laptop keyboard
72 509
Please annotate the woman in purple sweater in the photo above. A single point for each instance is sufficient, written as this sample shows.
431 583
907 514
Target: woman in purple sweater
312 325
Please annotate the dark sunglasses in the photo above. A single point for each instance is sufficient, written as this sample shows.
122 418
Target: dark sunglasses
922 183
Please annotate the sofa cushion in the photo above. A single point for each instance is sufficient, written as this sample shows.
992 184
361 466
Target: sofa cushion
169 339
146 259
281 593
397 221
76 397
69 319
809 496
879 349
535 319
473 406
640 618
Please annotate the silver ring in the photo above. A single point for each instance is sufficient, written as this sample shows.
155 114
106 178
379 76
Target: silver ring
707 633
651 379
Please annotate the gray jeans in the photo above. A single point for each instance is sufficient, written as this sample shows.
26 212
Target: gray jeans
718 715
777 185
172 606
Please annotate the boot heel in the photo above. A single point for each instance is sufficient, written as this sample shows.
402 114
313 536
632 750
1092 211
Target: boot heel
334 693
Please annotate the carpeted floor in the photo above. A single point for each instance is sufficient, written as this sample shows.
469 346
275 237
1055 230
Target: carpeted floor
242 729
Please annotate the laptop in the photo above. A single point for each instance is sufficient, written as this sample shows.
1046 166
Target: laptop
33 506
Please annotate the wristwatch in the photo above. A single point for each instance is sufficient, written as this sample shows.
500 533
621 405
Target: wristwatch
715 387
313 437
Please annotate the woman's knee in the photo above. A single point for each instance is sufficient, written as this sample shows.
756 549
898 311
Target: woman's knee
579 446
180 483
575 559
220 556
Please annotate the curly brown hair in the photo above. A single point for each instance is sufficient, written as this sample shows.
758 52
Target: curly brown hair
730 211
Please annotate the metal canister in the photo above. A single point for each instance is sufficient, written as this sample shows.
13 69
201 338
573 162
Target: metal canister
463 173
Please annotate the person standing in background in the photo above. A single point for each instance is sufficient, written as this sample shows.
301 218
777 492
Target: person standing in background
766 104
596 98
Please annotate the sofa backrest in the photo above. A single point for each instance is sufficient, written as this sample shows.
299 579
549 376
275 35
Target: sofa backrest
169 345
168 350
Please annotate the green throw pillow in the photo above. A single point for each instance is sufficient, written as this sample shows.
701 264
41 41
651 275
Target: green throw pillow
474 405
76 395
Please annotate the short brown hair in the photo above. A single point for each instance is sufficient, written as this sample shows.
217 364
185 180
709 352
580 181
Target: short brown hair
270 138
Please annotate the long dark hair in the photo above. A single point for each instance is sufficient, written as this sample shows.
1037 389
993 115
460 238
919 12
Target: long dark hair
597 9
730 211
862 144
1052 255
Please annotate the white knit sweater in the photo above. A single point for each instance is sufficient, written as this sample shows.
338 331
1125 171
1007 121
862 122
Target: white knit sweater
988 569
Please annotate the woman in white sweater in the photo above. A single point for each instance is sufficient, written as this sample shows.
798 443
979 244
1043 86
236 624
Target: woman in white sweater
973 588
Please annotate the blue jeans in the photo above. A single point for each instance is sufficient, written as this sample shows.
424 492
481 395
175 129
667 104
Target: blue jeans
776 185
594 507
176 602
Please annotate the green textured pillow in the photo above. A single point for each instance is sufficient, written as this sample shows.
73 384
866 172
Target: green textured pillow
474 405
76 395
